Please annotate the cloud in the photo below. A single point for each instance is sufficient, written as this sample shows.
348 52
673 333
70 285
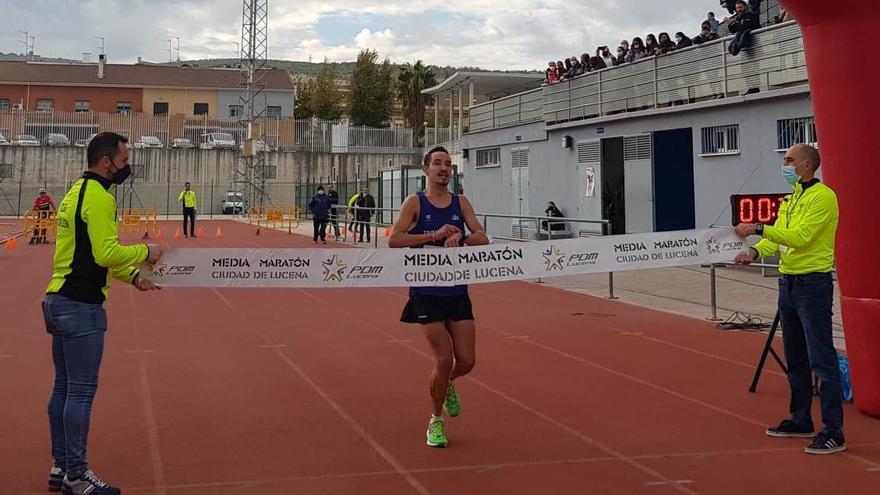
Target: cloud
493 34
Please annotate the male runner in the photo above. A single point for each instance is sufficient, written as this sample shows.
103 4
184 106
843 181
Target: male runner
437 218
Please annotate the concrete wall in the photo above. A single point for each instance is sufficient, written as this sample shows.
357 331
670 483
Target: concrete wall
553 170
166 170
273 98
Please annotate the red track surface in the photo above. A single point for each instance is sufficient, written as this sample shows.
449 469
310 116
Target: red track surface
324 392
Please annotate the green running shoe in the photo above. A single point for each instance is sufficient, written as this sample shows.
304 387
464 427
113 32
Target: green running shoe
452 405
437 434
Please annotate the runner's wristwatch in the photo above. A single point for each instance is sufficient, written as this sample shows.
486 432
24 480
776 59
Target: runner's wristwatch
759 229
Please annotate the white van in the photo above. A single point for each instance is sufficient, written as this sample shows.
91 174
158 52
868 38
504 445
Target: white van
217 140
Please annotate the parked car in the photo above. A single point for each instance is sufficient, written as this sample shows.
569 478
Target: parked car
233 203
56 139
217 140
82 143
182 143
25 140
4 141
148 142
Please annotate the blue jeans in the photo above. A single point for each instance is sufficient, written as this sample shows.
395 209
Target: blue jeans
805 311
77 330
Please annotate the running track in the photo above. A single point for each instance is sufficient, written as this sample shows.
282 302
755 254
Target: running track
324 392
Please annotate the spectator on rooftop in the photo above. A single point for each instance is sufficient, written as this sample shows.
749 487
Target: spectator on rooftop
567 72
621 56
713 22
651 45
547 73
682 41
560 70
596 63
625 45
755 7
636 50
705 35
554 75
741 25
607 57
575 69
665 46
585 63
730 5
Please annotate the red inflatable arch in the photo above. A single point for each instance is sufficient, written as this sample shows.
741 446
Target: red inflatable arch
844 85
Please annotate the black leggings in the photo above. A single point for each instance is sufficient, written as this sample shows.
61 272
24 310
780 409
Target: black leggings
189 213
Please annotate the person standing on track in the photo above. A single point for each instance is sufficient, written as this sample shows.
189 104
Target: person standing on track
187 199
87 255
437 218
43 206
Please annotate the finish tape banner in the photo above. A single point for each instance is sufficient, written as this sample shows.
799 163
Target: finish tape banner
329 268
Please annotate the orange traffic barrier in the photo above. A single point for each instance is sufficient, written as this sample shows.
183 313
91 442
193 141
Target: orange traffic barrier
219 232
177 234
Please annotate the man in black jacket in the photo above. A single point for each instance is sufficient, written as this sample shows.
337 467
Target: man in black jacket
320 207
333 196
365 204
741 25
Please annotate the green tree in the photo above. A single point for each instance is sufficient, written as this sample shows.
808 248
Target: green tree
371 95
320 97
411 80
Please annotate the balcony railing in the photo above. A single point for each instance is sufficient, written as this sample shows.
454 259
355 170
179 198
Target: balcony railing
698 73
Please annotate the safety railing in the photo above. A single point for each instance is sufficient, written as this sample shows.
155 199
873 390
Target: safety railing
513 110
38 225
775 59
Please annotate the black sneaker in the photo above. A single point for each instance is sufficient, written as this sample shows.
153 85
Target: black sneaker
56 477
788 429
88 484
826 443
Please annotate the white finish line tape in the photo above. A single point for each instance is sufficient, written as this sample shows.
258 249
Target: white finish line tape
329 268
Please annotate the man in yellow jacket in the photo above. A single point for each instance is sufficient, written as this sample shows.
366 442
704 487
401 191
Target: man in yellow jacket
187 199
87 256
803 235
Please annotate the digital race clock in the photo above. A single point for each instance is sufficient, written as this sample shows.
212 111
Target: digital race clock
755 208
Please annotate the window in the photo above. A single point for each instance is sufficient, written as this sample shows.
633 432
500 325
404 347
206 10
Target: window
273 111
6 171
123 107
796 131
236 110
200 109
45 105
720 140
520 158
4 104
81 106
490 157
160 108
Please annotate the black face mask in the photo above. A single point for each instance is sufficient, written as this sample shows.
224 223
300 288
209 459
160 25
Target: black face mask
120 175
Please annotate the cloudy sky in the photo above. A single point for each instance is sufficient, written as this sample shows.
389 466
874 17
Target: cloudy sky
492 34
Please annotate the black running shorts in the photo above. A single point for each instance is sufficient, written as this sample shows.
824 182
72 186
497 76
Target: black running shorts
430 309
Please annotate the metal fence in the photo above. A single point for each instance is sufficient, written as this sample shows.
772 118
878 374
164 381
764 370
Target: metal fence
513 110
282 134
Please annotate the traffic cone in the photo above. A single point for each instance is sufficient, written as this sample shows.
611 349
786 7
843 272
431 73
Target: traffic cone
387 231
11 244
146 236
199 232
218 234
160 236
177 234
